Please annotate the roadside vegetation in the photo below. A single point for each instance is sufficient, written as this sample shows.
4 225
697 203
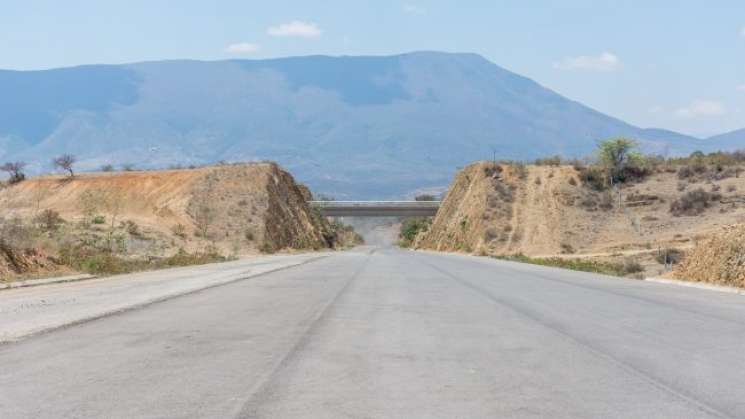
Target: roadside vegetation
626 268
50 244
618 212
411 227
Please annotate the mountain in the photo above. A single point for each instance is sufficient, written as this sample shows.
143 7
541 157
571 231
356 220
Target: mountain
351 127
729 140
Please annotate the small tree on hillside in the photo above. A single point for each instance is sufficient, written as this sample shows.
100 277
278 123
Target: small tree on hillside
65 162
15 171
617 154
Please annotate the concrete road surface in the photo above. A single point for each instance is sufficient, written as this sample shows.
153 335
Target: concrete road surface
384 333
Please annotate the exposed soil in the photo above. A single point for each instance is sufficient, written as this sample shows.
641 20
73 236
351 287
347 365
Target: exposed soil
238 209
718 259
26 262
546 211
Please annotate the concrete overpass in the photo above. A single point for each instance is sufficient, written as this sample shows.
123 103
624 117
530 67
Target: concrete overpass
377 208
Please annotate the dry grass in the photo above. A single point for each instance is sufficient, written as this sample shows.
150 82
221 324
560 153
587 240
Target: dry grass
510 215
718 259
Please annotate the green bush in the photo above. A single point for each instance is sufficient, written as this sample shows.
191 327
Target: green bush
410 227
99 219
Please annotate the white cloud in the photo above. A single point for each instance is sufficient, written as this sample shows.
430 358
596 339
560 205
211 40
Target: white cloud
414 9
603 62
741 88
742 32
242 48
295 28
702 108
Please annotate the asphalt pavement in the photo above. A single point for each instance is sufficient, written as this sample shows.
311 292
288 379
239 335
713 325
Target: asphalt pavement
388 333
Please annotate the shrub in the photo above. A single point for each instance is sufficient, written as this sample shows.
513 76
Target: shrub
490 234
689 171
49 220
630 266
548 161
520 169
693 202
99 219
669 256
107 168
492 170
132 228
410 227
179 230
593 177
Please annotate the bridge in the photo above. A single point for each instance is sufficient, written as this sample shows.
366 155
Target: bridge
377 208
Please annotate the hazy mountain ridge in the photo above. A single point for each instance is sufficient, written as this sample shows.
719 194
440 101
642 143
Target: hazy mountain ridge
347 126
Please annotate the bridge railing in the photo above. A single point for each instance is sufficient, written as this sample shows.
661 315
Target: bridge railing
377 208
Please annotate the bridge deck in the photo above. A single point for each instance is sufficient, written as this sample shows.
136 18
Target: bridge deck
377 208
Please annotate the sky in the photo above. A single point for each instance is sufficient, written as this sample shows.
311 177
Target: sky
674 64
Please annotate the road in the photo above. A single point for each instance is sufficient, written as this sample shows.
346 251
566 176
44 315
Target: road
385 333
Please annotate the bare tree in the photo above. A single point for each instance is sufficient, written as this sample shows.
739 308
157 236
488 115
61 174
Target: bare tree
203 218
65 162
113 203
15 170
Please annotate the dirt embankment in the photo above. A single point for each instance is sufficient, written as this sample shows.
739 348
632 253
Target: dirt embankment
238 209
545 211
27 261
718 259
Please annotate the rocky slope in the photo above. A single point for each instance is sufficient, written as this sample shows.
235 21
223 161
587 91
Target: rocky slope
236 209
546 211
718 259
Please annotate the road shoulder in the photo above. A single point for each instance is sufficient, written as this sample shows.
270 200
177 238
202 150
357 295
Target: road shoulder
29 311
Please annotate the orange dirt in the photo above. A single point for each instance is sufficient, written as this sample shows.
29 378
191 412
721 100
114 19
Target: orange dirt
719 259
545 211
243 208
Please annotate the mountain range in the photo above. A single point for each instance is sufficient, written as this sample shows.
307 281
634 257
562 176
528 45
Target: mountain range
349 127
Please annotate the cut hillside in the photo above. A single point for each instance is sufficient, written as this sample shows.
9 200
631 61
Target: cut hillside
228 209
718 259
26 262
548 211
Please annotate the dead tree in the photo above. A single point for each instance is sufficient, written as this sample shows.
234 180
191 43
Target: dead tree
65 162
15 171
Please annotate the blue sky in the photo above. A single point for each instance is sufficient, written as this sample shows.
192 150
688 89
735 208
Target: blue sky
676 64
